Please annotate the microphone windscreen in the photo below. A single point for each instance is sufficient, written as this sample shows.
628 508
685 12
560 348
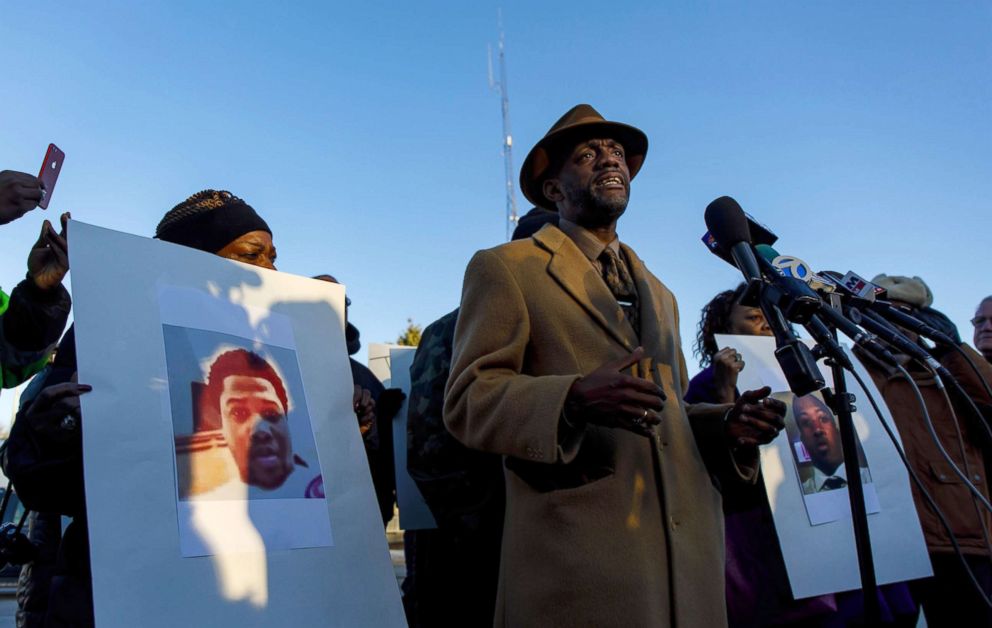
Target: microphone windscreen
727 222
766 251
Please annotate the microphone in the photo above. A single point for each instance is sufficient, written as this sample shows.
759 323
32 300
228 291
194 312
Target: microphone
893 313
790 266
728 227
813 310
729 232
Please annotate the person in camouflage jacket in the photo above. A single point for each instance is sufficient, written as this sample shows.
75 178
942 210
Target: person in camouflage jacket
456 565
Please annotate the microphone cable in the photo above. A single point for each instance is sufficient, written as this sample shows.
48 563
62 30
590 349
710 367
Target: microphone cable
973 407
974 368
923 491
933 435
929 365
967 467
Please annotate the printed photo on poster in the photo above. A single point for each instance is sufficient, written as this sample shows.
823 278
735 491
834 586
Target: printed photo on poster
238 432
244 448
818 458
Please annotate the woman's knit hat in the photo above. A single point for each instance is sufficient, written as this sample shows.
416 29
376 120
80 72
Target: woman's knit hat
209 221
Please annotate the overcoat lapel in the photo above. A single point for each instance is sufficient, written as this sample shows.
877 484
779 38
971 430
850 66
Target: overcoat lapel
655 319
572 270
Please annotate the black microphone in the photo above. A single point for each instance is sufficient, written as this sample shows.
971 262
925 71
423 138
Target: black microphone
821 334
728 227
890 312
879 326
895 314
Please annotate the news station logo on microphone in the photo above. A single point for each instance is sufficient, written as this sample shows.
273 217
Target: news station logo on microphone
861 287
710 241
794 267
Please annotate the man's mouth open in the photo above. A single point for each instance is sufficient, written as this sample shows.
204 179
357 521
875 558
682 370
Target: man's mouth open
610 182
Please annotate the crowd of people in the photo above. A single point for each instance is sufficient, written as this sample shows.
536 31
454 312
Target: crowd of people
576 473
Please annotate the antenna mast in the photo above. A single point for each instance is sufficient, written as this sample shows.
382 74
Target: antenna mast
500 87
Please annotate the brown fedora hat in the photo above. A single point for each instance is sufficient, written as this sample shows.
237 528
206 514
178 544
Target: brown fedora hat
580 122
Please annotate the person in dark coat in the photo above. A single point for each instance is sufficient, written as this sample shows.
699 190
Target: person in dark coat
949 598
33 316
376 406
463 488
43 457
758 591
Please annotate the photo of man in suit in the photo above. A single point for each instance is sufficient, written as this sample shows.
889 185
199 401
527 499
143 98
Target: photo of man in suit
820 437
567 362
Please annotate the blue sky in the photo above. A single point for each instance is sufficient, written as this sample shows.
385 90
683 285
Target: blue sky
368 138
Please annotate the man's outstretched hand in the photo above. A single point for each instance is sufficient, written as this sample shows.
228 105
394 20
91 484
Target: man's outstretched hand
756 419
611 398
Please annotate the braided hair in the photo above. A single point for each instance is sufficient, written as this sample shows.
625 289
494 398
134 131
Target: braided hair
209 220
198 203
715 320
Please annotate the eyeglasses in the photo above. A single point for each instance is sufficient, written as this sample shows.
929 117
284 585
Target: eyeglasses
347 302
978 321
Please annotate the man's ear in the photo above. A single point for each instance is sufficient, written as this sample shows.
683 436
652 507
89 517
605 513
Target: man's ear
552 190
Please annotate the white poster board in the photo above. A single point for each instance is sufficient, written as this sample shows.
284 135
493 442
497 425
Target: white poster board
391 364
290 533
812 516
415 514
379 361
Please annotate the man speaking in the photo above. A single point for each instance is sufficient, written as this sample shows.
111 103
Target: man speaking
567 361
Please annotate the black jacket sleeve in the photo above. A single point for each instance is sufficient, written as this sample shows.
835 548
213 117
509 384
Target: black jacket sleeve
47 472
35 318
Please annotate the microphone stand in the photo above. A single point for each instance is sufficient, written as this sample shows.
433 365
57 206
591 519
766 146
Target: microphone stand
842 403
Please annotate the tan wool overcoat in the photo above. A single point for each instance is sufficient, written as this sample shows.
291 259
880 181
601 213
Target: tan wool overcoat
603 527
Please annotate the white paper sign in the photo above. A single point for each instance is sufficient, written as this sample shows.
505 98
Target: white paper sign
415 514
808 494
379 362
391 364
194 519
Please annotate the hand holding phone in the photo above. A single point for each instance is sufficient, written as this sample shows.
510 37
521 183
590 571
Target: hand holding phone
20 192
49 174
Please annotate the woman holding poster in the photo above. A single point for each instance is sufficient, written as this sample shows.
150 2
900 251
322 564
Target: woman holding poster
44 454
758 589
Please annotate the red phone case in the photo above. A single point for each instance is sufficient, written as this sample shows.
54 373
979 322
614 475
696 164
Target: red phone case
49 174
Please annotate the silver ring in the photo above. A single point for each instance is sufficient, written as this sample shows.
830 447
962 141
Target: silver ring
738 357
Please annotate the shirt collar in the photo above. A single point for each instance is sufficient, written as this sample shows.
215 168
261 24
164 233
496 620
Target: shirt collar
591 246
819 477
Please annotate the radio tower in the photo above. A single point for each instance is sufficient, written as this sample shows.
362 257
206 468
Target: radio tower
500 88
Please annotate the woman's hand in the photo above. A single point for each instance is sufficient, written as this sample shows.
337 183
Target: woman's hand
727 364
55 411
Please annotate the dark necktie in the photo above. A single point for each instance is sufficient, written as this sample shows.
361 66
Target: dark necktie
833 482
621 284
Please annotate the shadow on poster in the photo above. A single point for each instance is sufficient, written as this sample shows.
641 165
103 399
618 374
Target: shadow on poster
246 464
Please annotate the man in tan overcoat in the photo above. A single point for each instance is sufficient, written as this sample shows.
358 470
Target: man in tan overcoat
567 361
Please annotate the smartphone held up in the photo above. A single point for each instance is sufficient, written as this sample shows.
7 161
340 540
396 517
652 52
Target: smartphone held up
49 174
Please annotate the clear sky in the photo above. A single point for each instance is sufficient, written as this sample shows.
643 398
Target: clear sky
367 136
